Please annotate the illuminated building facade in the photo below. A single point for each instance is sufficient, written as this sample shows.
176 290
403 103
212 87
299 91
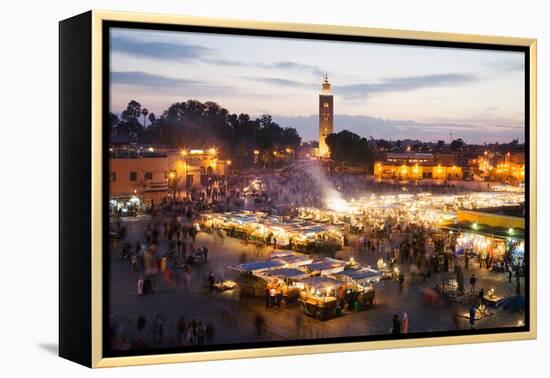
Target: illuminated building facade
197 165
326 117
505 166
152 173
307 151
417 166
491 232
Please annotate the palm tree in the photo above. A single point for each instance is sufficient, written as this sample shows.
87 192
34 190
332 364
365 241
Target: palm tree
144 111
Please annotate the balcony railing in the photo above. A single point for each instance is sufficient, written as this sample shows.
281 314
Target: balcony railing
155 186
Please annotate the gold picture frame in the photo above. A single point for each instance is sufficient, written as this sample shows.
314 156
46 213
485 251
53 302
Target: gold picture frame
95 20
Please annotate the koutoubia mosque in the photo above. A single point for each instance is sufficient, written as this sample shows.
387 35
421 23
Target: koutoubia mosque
326 117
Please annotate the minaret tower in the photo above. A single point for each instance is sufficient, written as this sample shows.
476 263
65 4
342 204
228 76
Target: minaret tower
326 114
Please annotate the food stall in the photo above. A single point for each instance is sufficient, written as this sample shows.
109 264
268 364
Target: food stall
294 261
286 279
317 238
318 296
325 267
235 224
517 251
126 206
257 274
488 248
360 285
480 244
257 267
250 281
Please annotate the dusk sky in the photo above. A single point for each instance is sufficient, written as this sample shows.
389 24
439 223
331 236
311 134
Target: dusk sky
383 91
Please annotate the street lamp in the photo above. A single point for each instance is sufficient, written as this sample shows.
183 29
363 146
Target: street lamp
185 174
172 184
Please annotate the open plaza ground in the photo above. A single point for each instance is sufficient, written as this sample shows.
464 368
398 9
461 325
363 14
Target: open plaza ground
230 317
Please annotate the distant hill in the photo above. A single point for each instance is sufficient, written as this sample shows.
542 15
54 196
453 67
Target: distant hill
379 128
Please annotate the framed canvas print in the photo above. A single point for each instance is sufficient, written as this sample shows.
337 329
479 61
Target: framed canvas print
235 189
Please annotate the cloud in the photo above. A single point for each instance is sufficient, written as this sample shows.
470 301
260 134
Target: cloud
508 65
288 65
144 79
363 90
282 82
223 62
404 84
158 50
148 84
283 65
182 51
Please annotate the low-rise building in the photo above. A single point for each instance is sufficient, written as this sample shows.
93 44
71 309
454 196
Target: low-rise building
308 151
154 172
418 166
491 232
502 166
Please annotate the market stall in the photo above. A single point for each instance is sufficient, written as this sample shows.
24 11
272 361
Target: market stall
257 267
490 246
317 238
318 296
294 261
325 267
360 285
285 280
126 206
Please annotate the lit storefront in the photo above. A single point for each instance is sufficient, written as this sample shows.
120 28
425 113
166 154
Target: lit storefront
152 174
496 244
127 206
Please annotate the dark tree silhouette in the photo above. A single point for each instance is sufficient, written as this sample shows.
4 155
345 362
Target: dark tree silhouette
144 112
130 126
193 124
113 122
457 144
349 148
132 111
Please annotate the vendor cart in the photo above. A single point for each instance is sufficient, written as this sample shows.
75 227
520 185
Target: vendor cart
318 297
360 285
287 280
450 291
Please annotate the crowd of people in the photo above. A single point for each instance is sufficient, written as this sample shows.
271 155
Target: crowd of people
400 325
156 333
421 248
162 251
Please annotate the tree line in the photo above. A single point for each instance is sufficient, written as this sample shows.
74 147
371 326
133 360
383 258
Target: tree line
350 149
194 124
243 139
